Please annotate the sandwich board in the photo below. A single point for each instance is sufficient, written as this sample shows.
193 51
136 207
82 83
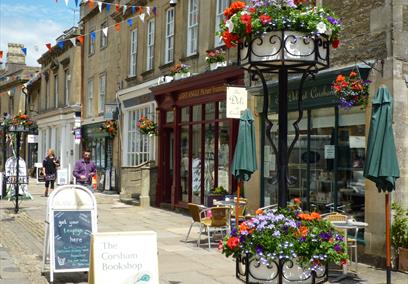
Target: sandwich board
70 221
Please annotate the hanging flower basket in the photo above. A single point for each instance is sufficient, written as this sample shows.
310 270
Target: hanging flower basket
147 126
351 90
110 128
287 243
20 123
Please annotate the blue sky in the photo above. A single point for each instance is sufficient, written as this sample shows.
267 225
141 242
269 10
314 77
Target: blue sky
34 23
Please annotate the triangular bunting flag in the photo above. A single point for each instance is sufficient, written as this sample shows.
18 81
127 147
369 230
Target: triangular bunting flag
117 27
133 9
142 16
148 10
61 44
100 6
76 3
117 7
105 31
24 50
1 54
130 22
108 5
124 9
91 4
154 10
48 45
66 2
93 36
80 38
72 41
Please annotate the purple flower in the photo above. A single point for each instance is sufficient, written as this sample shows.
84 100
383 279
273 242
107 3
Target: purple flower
333 21
337 247
234 232
339 238
325 236
259 250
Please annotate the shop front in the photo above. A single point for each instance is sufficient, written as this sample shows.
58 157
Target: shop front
196 139
326 163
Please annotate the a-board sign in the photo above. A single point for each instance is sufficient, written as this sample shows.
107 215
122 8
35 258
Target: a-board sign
72 239
124 258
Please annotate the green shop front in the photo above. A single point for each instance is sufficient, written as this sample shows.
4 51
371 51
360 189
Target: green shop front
326 163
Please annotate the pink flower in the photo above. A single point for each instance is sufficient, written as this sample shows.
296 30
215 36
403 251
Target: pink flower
265 19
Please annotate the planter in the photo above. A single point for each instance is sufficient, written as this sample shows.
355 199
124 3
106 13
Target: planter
211 198
216 65
289 48
403 259
179 76
250 270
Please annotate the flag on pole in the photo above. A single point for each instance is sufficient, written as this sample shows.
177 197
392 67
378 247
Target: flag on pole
48 45
24 50
105 31
117 27
61 44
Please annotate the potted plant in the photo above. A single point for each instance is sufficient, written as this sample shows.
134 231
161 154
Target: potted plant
289 241
217 193
351 90
216 58
146 126
399 236
110 128
180 71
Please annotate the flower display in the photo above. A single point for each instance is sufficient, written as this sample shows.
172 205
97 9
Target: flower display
110 127
351 90
260 16
20 120
179 68
214 56
147 126
287 234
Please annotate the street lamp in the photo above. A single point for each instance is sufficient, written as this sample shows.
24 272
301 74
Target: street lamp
283 52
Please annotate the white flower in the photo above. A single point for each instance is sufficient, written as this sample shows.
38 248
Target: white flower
321 28
230 25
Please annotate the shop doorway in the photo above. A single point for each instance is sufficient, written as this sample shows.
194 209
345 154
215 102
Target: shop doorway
167 164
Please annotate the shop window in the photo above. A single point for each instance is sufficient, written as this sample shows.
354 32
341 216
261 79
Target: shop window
169 116
185 114
196 165
184 162
197 111
192 27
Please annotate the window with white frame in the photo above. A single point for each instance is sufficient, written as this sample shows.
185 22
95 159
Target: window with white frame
102 93
169 47
192 27
150 44
91 45
133 53
56 91
219 18
90 98
138 148
104 38
67 82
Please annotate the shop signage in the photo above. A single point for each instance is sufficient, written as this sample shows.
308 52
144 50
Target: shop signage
237 101
201 92
329 151
31 138
62 176
124 257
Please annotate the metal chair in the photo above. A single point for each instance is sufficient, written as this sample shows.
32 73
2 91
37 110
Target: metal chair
195 210
218 222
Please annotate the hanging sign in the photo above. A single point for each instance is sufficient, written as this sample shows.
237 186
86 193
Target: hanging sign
124 257
236 101
70 221
329 151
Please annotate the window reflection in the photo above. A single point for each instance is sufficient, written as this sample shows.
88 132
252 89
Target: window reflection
184 168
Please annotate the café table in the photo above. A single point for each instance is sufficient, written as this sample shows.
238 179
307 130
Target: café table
346 226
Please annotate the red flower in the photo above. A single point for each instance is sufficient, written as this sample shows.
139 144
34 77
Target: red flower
265 19
232 242
353 74
246 20
230 39
297 200
340 78
343 261
220 245
252 10
335 43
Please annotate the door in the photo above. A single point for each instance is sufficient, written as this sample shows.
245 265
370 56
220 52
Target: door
167 164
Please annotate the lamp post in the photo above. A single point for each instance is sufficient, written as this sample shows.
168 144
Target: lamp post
283 53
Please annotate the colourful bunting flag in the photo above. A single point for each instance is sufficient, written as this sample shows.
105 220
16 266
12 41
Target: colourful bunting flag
148 10
1 54
24 50
76 3
108 5
48 45
105 31
133 9
130 22
91 4
100 6
117 27
117 7
142 16
80 38
124 9
93 36
72 41
154 10
61 44
66 2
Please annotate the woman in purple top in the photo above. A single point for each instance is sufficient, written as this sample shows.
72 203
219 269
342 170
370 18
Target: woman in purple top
84 170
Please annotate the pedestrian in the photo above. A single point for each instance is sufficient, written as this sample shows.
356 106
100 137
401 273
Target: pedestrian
84 170
50 165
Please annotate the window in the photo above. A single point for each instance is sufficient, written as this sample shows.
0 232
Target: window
91 45
102 92
90 97
169 48
67 80
219 18
133 53
47 99
138 147
192 28
104 38
150 45
56 91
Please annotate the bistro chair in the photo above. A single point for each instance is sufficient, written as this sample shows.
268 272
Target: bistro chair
272 207
195 210
218 222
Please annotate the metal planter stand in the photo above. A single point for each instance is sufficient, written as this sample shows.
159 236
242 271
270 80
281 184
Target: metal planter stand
282 53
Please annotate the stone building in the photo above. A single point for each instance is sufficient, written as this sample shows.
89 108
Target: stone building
57 107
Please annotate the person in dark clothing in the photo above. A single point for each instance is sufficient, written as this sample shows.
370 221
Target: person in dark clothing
50 165
84 170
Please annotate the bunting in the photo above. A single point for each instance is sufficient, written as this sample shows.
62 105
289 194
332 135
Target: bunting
130 22
80 38
1 54
24 50
117 7
107 5
76 3
93 36
72 39
105 31
100 7
60 44
66 2
117 27
142 16
48 45
124 9
91 4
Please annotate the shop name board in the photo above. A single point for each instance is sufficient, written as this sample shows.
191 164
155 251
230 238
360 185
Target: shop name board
308 94
201 92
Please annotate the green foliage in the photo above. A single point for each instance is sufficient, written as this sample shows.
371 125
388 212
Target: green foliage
399 228
219 190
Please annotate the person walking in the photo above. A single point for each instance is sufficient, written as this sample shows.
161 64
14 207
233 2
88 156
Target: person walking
50 165
84 170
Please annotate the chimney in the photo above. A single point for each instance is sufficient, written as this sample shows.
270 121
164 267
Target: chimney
15 57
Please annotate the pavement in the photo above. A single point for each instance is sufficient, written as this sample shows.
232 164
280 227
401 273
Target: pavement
22 237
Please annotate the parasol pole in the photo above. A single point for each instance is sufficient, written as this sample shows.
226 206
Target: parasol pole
237 205
387 237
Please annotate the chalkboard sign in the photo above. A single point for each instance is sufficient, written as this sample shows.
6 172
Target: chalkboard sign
72 236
